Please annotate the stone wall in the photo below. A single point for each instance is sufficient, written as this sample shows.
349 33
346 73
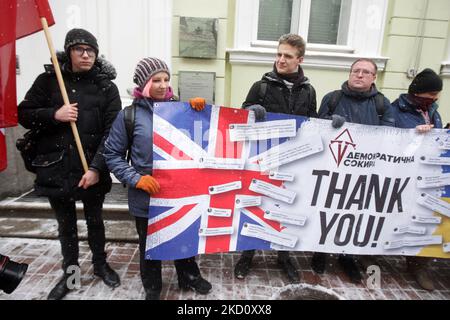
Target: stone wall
15 180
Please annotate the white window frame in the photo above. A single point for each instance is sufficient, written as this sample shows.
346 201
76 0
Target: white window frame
445 69
365 36
157 18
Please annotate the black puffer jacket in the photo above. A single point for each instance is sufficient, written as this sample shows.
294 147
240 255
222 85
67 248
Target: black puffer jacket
275 96
58 165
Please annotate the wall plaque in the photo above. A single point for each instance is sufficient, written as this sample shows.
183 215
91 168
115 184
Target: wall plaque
198 37
197 84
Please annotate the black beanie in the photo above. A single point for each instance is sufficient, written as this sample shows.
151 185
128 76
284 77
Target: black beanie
80 36
426 81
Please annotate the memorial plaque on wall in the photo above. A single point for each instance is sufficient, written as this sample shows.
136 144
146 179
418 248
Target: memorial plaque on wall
197 84
198 37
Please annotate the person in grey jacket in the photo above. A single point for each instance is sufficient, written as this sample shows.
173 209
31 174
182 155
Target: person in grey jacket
152 78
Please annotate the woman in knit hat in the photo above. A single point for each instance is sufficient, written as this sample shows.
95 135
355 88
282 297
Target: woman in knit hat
152 78
418 109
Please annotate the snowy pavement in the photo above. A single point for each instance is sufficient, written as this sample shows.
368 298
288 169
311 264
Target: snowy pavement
265 281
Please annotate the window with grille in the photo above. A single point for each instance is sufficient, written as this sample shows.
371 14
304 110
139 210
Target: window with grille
318 21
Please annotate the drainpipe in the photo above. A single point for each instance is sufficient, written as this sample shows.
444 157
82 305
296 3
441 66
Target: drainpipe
414 66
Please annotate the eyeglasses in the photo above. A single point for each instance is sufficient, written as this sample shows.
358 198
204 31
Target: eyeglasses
363 71
80 51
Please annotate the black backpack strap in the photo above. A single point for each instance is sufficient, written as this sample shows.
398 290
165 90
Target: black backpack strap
262 92
336 96
129 115
310 98
379 103
333 102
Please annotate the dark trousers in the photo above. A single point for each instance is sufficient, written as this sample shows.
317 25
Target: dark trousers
151 269
68 232
282 255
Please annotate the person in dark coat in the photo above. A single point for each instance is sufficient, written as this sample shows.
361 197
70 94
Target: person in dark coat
283 90
358 101
152 77
418 109
59 173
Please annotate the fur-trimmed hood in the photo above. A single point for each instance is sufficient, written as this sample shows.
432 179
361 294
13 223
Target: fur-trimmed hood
103 67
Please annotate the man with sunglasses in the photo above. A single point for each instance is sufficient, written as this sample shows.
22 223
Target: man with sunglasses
95 102
358 101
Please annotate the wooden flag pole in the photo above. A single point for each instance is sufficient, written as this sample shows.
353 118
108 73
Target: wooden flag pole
62 87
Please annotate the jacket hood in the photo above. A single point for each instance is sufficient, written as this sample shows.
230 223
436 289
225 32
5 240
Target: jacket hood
359 95
148 102
273 76
405 105
102 67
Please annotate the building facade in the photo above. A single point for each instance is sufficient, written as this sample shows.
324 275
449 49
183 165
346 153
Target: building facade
402 36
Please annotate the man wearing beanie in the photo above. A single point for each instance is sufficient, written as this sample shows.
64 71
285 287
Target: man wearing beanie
418 109
285 89
95 102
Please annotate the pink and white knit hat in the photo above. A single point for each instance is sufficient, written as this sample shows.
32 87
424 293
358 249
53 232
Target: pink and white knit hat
147 68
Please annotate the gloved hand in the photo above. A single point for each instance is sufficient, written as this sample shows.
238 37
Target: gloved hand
337 121
198 104
148 184
260 111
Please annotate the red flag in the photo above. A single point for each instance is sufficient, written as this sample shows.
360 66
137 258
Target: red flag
19 18
3 161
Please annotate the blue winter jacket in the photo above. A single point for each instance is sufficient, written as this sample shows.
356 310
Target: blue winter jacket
141 154
358 107
407 116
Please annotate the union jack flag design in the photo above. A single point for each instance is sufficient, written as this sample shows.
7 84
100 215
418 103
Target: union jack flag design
181 138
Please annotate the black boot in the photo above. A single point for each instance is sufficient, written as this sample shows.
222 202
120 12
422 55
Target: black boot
109 276
60 290
243 266
196 283
289 268
318 262
348 265
152 294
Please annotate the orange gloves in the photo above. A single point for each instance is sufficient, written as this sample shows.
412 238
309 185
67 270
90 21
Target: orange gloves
198 104
148 184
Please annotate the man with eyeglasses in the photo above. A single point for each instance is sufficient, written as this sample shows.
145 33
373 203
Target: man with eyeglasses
95 102
358 101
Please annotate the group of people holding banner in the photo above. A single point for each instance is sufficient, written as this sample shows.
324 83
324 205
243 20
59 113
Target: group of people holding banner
106 137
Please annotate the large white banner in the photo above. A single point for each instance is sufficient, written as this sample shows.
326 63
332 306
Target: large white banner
292 183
